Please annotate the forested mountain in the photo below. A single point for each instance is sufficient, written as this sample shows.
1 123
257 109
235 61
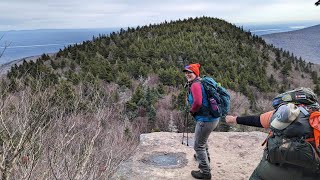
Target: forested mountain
237 59
79 113
303 42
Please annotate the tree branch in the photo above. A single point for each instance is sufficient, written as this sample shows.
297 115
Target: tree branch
50 164
5 46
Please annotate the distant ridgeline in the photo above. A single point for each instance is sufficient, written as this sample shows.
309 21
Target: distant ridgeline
303 42
239 60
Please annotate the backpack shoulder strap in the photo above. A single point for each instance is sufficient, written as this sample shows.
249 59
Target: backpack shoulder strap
197 80
303 110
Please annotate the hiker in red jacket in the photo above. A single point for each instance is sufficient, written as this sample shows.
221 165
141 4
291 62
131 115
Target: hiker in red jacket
197 98
291 152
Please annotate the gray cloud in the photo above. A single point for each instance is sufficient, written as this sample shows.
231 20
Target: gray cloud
36 14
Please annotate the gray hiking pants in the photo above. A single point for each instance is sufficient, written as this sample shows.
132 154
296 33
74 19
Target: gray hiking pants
202 132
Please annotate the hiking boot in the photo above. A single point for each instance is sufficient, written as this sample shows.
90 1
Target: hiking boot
199 175
195 157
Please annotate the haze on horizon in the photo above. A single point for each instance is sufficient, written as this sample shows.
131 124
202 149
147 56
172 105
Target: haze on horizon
72 14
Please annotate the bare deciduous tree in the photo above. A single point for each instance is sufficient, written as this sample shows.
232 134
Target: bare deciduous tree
23 120
39 140
240 104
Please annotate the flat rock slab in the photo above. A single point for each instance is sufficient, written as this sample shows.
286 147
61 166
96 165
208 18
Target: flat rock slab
161 155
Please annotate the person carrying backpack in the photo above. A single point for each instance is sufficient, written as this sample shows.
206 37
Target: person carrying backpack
292 147
205 122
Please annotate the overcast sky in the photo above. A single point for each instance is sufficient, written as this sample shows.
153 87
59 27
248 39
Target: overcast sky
61 14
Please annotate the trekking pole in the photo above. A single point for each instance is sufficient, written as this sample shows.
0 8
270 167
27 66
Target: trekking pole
187 128
185 121
184 128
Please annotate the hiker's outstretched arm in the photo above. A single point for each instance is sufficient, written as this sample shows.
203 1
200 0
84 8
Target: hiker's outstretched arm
249 121
258 121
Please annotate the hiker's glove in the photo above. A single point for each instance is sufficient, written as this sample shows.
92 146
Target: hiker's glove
192 114
231 119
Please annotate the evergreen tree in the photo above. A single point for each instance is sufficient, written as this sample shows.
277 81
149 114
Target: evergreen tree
138 94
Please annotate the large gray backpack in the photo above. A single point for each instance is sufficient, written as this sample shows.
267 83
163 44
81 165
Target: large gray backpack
298 96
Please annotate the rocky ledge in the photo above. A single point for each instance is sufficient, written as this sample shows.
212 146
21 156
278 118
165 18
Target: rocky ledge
161 155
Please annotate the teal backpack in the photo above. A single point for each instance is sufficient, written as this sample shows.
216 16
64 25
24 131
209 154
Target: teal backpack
218 97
